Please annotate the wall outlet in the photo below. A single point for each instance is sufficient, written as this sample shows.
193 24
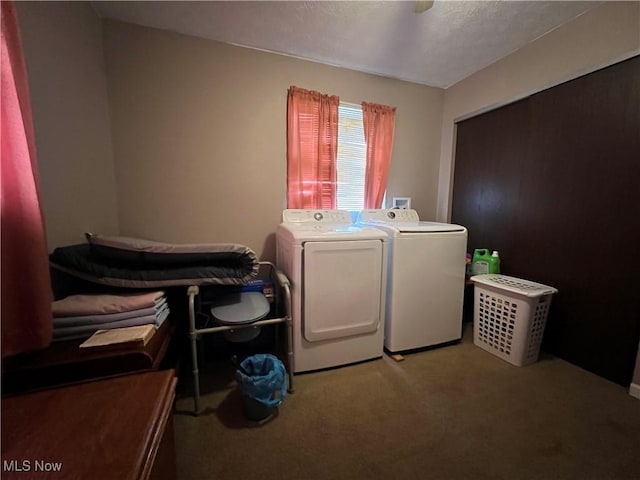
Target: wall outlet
402 203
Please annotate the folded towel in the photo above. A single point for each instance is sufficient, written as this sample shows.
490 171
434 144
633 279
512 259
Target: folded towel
76 305
85 331
79 320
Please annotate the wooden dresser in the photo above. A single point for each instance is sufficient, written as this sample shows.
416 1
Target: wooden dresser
120 428
64 363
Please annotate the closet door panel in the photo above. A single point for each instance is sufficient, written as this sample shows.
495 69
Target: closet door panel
587 132
552 181
490 152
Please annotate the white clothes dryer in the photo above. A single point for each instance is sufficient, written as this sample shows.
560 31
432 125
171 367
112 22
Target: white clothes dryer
425 284
338 277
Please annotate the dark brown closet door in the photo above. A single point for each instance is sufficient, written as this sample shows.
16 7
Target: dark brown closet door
553 183
491 151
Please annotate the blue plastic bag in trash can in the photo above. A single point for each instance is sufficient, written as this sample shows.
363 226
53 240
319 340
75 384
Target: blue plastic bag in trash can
262 377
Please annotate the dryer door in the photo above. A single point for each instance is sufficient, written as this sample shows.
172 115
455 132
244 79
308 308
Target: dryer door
342 290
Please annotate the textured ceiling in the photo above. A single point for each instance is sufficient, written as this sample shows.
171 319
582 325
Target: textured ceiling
438 47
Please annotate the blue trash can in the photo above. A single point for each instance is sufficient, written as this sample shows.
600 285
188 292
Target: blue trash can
262 381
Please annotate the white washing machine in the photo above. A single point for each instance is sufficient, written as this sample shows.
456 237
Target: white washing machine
425 285
338 277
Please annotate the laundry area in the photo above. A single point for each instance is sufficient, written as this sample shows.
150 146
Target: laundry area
304 240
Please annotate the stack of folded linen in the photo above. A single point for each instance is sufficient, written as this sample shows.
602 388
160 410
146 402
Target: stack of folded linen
80 316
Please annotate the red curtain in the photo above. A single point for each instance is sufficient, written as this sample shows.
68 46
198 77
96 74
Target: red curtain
379 127
312 148
26 285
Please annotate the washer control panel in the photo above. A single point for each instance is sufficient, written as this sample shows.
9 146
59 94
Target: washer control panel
390 215
334 217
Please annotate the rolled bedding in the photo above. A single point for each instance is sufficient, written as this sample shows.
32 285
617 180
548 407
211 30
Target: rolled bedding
137 263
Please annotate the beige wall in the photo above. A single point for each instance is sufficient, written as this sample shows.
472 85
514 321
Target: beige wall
603 36
199 134
63 51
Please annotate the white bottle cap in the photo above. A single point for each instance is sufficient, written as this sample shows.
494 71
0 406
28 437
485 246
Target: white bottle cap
495 253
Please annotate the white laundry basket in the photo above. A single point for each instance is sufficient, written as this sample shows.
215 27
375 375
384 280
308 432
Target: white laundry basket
509 316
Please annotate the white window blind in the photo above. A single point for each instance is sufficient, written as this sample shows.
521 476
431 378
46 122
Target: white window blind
352 158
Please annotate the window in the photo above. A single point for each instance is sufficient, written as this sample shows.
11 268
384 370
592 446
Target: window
328 163
352 158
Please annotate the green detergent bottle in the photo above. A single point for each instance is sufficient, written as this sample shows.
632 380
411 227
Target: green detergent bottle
494 262
483 262
480 261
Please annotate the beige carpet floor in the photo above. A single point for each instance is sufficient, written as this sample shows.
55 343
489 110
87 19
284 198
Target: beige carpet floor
456 412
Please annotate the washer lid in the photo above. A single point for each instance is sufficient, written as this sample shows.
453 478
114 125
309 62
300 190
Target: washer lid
426 227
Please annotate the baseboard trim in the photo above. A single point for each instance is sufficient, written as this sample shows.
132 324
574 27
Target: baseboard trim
634 390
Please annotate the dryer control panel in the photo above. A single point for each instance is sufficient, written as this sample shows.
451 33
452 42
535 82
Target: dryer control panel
301 216
389 215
